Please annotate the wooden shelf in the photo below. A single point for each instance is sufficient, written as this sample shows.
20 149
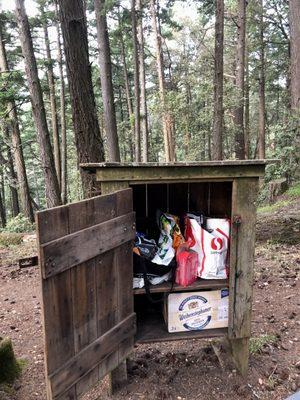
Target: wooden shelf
154 329
199 284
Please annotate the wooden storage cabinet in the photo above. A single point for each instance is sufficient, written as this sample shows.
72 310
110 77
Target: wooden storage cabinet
212 198
92 317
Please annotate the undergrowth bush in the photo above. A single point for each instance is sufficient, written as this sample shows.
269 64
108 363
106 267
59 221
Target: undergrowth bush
294 191
10 239
257 344
19 224
10 368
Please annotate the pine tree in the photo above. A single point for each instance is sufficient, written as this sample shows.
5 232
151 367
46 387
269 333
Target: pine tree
106 82
88 140
38 109
218 124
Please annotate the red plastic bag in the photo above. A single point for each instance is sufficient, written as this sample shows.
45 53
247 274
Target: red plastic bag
188 233
187 265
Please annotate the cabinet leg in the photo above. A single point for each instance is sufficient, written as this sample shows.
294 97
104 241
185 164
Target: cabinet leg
240 354
117 377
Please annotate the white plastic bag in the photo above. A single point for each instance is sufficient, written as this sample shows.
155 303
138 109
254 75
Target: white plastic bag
212 246
169 240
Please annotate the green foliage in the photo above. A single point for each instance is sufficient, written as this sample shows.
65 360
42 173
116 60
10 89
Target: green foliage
10 369
10 239
19 224
272 207
188 50
257 344
294 191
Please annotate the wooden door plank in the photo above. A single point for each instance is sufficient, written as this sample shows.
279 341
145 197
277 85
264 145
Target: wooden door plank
84 304
107 303
85 214
76 248
107 300
125 292
90 356
125 303
52 223
56 298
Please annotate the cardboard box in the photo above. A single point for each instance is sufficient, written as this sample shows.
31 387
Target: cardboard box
190 311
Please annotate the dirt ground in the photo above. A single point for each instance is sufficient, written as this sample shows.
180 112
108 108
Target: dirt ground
185 369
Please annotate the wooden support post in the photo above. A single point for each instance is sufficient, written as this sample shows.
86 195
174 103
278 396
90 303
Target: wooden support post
118 377
239 349
244 196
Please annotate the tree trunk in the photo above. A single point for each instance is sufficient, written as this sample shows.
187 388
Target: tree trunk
37 199
294 18
53 108
106 82
63 128
38 109
12 177
143 98
168 139
262 107
247 106
16 143
239 81
127 90
137 122
13 184
86 127
218 124
2 205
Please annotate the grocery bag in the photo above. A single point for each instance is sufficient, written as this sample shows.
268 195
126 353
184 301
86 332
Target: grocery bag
169 240
187 265
144 247
212 246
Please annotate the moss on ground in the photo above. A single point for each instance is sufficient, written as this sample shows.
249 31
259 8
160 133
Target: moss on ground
257 344
291 194
10 239
10 368
273 207
294 191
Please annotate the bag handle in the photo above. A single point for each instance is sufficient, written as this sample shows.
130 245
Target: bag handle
147 283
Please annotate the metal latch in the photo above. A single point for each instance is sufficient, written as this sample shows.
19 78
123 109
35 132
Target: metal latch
237 220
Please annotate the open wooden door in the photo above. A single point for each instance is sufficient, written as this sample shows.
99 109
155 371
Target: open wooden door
85 256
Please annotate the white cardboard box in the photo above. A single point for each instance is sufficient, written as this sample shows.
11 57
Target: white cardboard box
190 311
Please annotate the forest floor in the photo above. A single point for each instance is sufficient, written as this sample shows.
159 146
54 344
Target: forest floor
185 369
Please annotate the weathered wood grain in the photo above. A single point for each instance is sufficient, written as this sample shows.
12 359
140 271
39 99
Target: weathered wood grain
56 297
83 215
84 327
110 187
131 174
242 257
218 163
123 291
199 284
76 248
240 354
153 329
125 300
90 356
